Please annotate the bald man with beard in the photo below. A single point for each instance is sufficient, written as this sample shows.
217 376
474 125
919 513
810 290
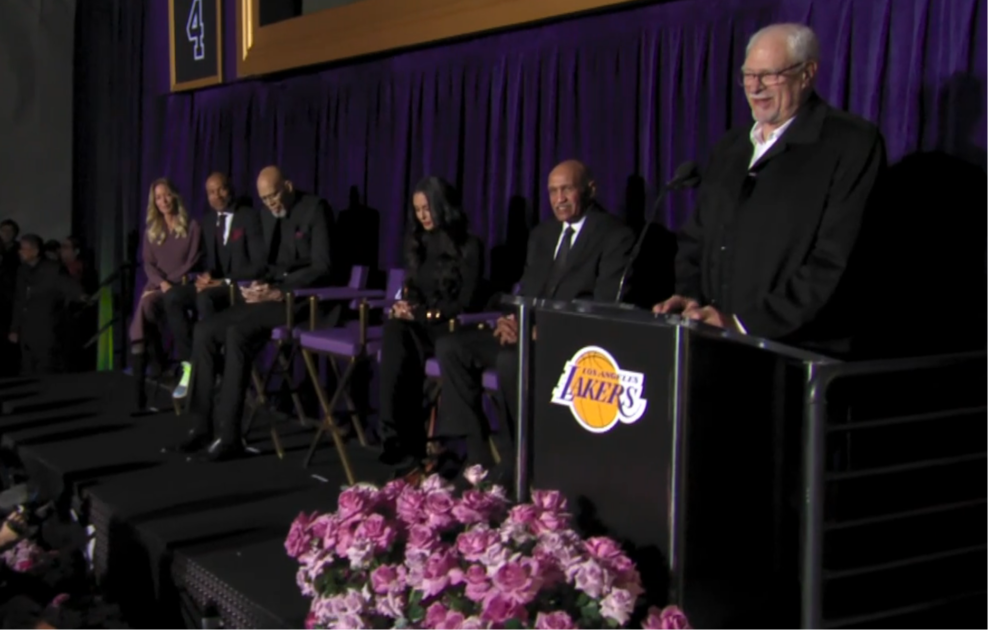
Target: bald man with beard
296 230
581 254
234 251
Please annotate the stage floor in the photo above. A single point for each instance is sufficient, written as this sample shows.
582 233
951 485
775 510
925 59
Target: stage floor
171 532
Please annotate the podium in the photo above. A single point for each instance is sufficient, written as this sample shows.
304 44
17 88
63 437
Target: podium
670 436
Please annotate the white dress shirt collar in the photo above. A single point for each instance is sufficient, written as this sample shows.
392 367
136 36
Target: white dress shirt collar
763 143
227 214
576 226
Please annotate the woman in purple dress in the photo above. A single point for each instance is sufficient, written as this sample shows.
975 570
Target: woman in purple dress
171 250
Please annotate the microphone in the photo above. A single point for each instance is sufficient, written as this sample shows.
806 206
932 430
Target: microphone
687 176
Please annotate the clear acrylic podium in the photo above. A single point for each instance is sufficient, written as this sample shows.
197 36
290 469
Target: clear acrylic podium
670 436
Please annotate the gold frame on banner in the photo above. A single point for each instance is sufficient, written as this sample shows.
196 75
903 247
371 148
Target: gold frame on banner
205 81
374 26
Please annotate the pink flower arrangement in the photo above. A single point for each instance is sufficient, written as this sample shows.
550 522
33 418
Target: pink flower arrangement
24 556
420 556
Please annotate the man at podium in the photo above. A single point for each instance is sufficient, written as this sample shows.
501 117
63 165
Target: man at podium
579 255
768 249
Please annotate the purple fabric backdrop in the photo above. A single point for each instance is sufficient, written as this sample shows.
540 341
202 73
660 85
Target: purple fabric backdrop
633 93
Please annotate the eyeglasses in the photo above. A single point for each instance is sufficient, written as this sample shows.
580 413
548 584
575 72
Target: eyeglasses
767 79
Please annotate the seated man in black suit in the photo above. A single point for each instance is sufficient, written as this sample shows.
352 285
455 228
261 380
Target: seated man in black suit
580 255
234 247
297 232
770 249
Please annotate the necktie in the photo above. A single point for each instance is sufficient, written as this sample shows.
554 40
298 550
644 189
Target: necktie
221 228
564 247
559 264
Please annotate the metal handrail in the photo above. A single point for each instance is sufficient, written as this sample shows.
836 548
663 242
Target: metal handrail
818 379
901 420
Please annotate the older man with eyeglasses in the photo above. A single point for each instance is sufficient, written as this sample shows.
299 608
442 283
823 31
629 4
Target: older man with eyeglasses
771 248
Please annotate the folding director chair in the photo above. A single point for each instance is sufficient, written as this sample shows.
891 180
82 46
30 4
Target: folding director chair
355 344
284 340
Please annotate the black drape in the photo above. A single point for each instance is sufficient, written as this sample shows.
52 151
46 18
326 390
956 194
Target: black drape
108 198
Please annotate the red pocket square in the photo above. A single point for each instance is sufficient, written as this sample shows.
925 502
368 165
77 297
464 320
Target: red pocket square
300 234
237 234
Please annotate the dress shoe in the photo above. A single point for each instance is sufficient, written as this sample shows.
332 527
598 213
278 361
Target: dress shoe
220 451
395 456
449 465
194 441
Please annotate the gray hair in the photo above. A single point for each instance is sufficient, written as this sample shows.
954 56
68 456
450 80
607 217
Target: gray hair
801 41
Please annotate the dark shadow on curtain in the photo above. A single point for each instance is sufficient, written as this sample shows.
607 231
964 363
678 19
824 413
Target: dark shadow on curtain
925 241
961 104
652 276
634 202
358 230
508 258
107 114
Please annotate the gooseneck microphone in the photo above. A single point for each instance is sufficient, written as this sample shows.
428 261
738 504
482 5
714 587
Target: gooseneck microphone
687 176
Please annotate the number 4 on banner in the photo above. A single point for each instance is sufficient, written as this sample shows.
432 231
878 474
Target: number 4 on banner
195 31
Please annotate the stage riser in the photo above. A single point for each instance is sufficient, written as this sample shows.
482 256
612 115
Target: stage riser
173 540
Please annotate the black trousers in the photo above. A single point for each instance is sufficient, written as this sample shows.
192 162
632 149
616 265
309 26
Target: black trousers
241 331
463 357
405 346
40 358
181 302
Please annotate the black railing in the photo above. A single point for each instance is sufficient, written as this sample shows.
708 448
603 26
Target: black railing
894 491
120 284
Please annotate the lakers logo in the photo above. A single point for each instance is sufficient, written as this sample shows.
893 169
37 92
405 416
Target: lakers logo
598 392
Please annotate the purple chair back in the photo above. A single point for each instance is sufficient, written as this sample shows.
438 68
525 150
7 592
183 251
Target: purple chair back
358 277
396 282
393 286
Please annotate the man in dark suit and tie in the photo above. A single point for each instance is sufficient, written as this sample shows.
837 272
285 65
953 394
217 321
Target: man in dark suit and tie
234 247
771 248
297 232
580 255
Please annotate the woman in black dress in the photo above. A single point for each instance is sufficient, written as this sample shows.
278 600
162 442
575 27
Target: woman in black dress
443 269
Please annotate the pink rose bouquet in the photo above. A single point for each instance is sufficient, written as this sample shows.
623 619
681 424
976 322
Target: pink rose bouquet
423 556
25 556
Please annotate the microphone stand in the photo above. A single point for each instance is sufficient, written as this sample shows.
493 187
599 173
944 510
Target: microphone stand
641 238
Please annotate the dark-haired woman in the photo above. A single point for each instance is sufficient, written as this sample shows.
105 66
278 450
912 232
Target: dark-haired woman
443 270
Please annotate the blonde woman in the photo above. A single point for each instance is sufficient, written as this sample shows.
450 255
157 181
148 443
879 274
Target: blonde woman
171 250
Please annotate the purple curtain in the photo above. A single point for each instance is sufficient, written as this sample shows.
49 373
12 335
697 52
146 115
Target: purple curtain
633 93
